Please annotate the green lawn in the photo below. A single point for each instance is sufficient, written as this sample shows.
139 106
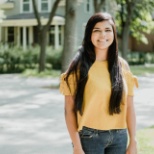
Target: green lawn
46 73
142 69
136 70
145 138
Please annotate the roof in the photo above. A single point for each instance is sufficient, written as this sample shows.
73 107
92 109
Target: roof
27 16
30 20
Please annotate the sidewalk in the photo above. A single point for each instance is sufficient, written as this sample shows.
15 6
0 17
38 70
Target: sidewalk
32 115
143 100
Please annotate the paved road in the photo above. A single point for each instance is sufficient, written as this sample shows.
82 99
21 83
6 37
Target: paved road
31 115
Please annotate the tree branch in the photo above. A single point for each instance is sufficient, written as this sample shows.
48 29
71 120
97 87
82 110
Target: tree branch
52 13
36 13
98 5
122 14
130 9
95 5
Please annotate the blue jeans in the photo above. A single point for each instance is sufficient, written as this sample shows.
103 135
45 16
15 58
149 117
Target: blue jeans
103 141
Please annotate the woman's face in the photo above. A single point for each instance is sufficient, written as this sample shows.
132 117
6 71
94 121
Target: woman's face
102 35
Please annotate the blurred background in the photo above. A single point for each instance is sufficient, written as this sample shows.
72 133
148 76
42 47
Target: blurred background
38 39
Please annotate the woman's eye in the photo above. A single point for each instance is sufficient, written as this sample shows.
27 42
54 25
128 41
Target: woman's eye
96 31
108 30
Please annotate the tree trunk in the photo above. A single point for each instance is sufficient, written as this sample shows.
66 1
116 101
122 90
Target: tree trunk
42 57
130 6
43 29
125 41
98 5
69 33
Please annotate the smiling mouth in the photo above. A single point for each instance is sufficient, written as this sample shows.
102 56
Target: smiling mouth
102 41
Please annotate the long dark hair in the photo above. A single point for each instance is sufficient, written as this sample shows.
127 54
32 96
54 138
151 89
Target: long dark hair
86 57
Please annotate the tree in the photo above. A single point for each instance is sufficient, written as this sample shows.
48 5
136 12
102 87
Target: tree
69 33
43 29
133 15
125 24
98 5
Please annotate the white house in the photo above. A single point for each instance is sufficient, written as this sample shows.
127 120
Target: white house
20 26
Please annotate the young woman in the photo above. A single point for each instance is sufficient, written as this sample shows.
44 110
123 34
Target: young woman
98 88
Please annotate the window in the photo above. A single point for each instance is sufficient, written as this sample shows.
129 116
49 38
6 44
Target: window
44 6
26 6
52 36
10 34
60 35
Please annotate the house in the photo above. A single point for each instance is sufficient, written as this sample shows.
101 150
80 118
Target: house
20 25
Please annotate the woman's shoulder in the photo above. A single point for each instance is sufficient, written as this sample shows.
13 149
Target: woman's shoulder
128 75
68 83
124 64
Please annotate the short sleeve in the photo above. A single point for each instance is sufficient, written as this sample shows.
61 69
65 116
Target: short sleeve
70 88
131 82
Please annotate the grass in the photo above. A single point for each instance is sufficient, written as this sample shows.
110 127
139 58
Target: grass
142 69
46 73
136 70
145 136
145 139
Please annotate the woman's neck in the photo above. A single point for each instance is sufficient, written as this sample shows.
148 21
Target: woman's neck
101 55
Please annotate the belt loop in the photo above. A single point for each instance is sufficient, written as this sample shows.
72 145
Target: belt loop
110 132
96 132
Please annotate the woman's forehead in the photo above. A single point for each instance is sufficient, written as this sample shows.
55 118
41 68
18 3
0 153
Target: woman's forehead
103 24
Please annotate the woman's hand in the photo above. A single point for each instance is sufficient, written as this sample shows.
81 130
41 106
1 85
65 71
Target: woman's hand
78 151
132 148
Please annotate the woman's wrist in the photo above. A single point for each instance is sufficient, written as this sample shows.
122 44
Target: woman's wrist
132 136
133 141
76 146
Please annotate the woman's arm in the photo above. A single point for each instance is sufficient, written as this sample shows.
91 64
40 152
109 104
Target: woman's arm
131 125
71 122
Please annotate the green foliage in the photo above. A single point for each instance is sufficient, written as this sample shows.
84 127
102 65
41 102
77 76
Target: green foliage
140 57
142 69
141 20
136 58
142 23
53 57
46 73
16 60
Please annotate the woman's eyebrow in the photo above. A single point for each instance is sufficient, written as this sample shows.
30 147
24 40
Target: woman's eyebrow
96 28
108 28
100 28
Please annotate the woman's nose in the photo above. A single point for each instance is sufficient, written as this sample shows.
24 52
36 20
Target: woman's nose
102 34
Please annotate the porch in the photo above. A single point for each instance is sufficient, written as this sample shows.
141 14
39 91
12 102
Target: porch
24 32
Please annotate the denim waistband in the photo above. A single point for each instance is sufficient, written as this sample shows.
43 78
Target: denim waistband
101 131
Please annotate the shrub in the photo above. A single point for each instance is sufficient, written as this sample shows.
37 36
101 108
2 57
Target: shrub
136 57
149 57
140 57
16 60
53 57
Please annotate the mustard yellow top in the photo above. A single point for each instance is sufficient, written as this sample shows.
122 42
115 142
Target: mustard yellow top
97 95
